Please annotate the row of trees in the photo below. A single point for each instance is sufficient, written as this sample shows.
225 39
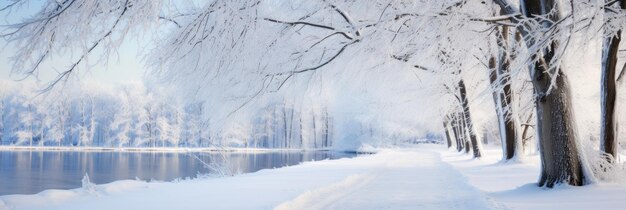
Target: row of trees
284 126
132 116
125 116
537 38
240 50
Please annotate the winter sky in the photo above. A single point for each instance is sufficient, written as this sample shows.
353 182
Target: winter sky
126 66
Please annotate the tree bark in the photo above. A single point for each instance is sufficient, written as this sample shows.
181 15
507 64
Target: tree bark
445 128
502 94
314 131
608 92
457 136
559 152
464 133
525 128
468 120
555 122
493 81
289 139
510 134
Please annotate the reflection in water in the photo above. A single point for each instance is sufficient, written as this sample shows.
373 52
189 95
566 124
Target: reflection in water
29 172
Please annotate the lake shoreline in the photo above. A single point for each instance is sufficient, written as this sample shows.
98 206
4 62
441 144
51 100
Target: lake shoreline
30 171
160 149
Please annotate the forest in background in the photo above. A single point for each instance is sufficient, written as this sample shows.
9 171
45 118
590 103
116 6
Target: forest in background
542 76
131 115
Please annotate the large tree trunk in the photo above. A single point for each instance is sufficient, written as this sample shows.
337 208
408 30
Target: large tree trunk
468 120
608 92
559 153
555 122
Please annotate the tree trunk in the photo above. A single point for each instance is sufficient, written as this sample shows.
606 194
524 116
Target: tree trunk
1 121
462 133
504 71
32 132
314 132
559 152
455 132
326 128
510 134
525 128
493 81
499 78
608 92
284 143
468 120
555 122
445 128
290 136
301 135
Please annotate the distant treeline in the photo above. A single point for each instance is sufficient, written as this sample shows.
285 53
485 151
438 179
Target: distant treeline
131 115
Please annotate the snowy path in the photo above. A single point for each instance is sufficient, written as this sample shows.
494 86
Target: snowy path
407 180
399 179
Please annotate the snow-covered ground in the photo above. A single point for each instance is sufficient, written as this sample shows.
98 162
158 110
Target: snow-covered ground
422 177
513 184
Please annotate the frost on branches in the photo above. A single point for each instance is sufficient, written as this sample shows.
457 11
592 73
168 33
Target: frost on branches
263 73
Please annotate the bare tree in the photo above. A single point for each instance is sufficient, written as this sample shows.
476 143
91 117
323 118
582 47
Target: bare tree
560 156
500 79
252 50
95 27
608 90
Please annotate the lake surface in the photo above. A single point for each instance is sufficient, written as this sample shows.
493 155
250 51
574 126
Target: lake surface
30 172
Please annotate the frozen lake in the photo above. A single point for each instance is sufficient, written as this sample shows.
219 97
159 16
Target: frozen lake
30 172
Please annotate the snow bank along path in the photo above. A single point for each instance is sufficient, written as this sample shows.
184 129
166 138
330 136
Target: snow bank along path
392 179
515 184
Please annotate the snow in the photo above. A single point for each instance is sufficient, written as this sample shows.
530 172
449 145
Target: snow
418 177
262 76
513 184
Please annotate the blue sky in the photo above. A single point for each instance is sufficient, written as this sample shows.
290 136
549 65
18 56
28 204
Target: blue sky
128 66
